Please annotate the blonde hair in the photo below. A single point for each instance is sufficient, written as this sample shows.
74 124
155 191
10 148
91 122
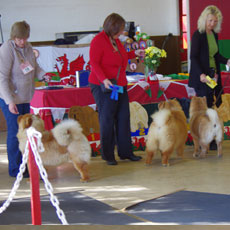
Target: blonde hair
20 30
203 18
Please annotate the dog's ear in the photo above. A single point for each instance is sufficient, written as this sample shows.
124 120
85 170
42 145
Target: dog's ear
161 105
37 115
28 122
19 118
205 99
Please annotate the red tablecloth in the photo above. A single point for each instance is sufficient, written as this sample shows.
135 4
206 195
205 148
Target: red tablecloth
45 100
174 89
63 98
225 77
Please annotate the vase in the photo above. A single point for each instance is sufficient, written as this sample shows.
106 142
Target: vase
152 75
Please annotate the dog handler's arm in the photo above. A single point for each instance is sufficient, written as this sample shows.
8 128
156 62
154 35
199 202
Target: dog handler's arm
96 54
6 61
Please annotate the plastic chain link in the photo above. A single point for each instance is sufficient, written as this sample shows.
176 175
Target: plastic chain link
31 134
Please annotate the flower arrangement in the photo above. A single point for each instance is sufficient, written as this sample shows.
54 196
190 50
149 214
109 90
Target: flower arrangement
152 58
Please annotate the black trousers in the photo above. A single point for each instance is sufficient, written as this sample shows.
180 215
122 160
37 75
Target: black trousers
209 93
114 119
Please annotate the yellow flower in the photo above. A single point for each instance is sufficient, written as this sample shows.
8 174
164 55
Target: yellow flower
152 58
163 53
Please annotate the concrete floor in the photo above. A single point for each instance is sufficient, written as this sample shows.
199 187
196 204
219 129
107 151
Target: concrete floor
132 182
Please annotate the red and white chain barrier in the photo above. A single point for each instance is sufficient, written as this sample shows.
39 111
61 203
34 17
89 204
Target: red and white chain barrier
34 143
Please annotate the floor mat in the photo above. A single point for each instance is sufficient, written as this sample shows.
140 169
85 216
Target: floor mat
185 208
78 208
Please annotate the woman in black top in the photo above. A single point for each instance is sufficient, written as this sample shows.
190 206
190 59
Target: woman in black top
205 56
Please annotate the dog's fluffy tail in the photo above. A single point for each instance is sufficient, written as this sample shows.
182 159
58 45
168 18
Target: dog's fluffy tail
213 116
161 117
66 131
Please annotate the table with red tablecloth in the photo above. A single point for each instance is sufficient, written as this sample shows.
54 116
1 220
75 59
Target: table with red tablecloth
46 101
225 77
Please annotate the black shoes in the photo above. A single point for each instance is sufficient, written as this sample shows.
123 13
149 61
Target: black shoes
26 174
213 145
132 158
111 162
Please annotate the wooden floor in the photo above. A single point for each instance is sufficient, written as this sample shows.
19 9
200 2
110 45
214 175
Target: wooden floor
131 182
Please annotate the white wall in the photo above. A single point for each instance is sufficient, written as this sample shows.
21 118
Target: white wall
47 17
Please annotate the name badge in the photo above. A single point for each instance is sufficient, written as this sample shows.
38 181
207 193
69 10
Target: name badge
26 67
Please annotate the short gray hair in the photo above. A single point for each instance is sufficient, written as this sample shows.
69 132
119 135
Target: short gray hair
213 10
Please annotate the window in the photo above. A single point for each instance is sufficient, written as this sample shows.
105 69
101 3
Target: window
183 29
184 25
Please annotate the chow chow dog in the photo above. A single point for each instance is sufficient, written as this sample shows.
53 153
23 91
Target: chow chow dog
87 118
167 132
205 126
63 143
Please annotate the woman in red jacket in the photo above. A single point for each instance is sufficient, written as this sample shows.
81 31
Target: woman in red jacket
108 60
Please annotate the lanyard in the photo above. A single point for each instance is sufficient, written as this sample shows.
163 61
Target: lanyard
20 56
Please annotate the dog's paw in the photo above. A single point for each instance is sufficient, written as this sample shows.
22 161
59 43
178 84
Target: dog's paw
148 162
219 155
196 155
84 180
166 165
202 155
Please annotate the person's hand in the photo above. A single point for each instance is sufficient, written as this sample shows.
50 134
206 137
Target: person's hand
203 78
47 78
107 83
228 63
140 53
13 108
215 77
